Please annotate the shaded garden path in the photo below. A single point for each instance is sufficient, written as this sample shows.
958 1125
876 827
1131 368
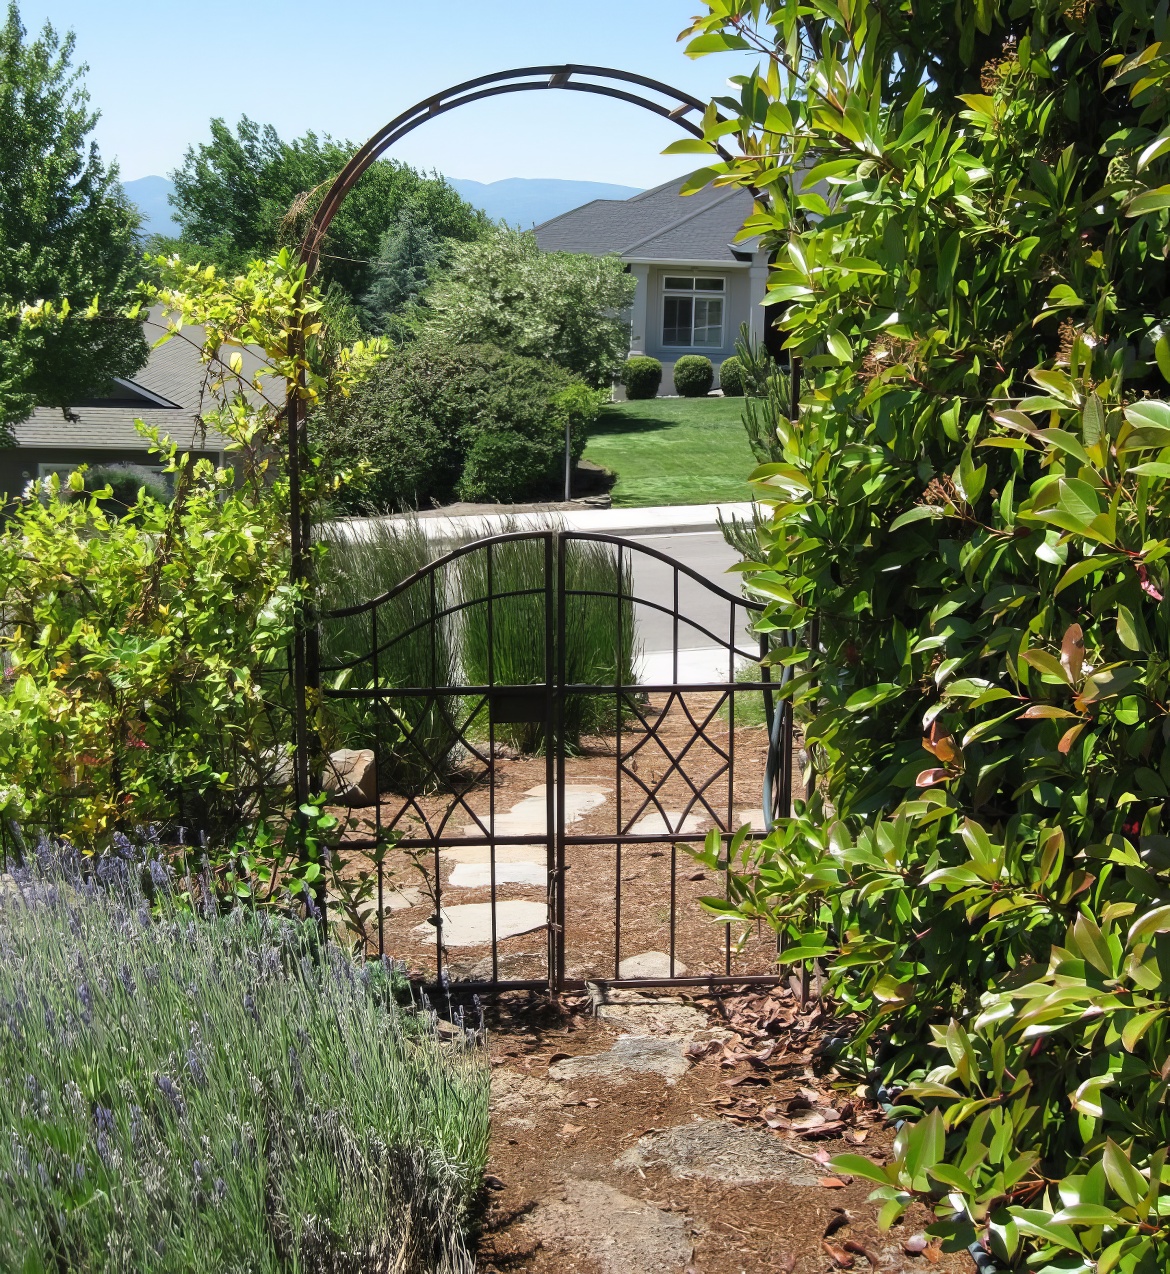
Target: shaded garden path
630 1136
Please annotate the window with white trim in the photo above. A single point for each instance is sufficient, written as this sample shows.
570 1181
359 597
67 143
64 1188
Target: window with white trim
692 312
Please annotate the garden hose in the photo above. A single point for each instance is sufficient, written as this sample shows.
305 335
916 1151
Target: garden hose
775 721
985 1263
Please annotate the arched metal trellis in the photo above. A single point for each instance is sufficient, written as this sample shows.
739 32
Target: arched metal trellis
625 86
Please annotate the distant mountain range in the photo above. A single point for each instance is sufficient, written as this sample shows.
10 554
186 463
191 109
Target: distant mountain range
520 201
527 201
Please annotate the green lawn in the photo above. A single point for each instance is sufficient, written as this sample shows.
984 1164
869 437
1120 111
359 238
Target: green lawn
674 451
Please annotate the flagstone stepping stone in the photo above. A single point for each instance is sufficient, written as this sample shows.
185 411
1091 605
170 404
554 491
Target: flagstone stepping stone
470 924
676 1021
721 1151
479 875
672 825
754 819
483 854
630 1055
392 900
613 1232
529 817
650 964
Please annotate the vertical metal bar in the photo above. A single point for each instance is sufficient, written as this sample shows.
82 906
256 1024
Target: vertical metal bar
617 676
674 644
378 784
730 778
568 458
434 700
673 902
297 577
491 654
554 753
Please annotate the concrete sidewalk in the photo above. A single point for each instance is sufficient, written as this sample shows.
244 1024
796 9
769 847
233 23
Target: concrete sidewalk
666 519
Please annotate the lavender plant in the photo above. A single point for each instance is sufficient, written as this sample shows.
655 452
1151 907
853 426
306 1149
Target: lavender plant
182 1091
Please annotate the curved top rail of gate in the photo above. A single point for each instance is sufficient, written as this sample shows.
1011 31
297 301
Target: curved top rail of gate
343 612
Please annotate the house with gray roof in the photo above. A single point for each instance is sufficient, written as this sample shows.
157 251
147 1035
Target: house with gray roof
166 393
696 285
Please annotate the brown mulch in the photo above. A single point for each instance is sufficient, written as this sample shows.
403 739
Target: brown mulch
771 1075
645 875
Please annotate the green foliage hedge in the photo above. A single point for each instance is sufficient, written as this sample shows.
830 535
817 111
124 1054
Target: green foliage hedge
694 375
731 377
641 375
436 421
969 540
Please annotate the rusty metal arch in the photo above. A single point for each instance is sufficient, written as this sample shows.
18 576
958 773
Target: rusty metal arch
668 102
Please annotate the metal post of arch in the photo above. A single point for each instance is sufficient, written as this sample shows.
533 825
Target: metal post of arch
624 86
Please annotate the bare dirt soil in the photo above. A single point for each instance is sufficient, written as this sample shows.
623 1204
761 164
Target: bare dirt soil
645 1173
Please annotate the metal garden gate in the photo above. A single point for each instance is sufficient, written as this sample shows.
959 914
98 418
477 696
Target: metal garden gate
598 680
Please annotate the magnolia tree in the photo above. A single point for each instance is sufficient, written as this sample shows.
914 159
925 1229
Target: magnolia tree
969 210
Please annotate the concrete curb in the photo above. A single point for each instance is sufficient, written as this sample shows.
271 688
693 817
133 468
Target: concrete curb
678 519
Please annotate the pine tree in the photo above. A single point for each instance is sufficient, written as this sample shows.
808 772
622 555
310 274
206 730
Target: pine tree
408 257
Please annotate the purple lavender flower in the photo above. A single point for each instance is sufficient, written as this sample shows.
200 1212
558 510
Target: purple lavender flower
250 1006
195 1068
127 980
220 1189
170 1091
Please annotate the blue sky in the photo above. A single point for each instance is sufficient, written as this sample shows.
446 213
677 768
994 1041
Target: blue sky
159 70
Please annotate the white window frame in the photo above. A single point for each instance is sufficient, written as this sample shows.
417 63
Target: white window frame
696 294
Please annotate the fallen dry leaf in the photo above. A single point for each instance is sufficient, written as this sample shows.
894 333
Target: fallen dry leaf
840 1258
854 1245
933 1252
570 1130
831 1183
855 1135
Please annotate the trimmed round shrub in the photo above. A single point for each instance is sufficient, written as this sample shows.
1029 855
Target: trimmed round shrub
409 433
731 377
504 466
125 481
693 376
641 376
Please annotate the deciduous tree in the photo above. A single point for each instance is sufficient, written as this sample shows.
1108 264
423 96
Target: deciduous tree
68 235
568 307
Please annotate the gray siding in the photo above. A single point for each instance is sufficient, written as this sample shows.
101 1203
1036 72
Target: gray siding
736 310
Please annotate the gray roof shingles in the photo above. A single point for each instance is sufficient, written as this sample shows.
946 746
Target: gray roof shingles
658 224
174 371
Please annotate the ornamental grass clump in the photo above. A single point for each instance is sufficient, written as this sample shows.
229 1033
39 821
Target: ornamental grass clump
508 648
415 647
180 1091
